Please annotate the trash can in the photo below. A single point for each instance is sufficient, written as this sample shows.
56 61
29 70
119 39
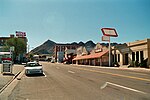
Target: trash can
7 67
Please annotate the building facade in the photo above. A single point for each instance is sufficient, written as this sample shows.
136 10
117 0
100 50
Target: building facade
59 51
97 57
3 40
130 52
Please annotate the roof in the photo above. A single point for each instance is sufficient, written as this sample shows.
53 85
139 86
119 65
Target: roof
91 56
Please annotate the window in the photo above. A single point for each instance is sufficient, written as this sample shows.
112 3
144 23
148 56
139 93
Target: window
133 56
115 57
141 56
118 57
137 55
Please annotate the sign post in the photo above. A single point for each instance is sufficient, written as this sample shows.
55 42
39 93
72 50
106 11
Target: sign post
11 51
108 32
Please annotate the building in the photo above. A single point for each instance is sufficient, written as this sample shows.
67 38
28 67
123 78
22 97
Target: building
59 51
69 55
4 51
97 57
126 54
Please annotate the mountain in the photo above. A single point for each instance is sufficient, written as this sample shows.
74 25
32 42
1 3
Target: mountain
46 48
90 44
81 43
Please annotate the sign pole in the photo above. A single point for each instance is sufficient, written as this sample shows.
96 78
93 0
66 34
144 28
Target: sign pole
109 51
110 32
10 52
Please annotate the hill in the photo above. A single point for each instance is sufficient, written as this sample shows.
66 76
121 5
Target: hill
48 46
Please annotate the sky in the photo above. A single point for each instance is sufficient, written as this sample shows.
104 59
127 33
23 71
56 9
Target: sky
67 21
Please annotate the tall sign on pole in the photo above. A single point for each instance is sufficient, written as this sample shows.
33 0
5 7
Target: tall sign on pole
107 33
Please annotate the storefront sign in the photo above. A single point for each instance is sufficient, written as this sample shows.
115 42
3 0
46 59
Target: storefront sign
125 50
98 50
20 34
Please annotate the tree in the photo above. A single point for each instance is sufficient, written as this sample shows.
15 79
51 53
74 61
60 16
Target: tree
19 44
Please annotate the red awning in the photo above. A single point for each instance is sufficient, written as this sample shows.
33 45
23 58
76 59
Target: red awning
91 56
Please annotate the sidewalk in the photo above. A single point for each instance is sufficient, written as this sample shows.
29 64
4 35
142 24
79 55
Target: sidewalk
121 68
4 79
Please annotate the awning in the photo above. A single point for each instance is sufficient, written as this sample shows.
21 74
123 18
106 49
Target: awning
91 56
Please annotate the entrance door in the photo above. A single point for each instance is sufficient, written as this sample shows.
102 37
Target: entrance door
126 59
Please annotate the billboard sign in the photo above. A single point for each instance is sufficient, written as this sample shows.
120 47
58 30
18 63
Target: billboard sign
20 34
105 38
109 32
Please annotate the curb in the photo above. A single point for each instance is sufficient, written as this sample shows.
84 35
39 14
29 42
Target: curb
120 68
5 86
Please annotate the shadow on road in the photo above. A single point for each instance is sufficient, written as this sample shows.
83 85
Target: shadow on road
35 75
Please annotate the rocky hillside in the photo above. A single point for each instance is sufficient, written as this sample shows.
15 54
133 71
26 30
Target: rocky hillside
48 46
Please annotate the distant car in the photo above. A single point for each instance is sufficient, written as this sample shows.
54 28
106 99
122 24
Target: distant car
33 68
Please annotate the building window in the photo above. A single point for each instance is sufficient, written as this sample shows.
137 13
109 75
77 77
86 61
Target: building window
137 56
118 57
133 56
115 57
126 59
141 56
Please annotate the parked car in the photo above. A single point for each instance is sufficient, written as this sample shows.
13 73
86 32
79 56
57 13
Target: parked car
33 68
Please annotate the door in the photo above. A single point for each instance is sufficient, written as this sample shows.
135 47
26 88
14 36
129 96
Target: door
126 59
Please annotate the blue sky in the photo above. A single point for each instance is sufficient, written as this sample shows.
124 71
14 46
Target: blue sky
66 21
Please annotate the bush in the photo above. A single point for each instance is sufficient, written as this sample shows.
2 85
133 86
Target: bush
136 64
143 64
132 64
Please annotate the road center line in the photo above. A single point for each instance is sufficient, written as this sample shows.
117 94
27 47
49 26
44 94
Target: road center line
126 76
124 87
71 72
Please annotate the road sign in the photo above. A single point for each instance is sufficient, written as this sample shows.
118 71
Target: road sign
109 32
105 38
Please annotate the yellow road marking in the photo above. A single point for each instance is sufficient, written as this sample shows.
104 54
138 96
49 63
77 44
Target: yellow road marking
126 76
137 73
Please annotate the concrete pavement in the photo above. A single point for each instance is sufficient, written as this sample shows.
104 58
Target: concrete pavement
5 79
122 68
67 82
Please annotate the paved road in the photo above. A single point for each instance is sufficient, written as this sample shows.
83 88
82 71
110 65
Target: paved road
70 82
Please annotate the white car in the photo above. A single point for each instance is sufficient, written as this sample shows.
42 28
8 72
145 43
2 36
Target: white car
33 68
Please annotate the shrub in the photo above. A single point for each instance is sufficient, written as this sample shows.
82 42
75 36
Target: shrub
136 64
144 63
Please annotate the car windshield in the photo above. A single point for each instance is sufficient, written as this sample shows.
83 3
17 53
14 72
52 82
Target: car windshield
32 64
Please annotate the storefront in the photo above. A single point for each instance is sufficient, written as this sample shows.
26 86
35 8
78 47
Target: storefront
128 53
97 57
